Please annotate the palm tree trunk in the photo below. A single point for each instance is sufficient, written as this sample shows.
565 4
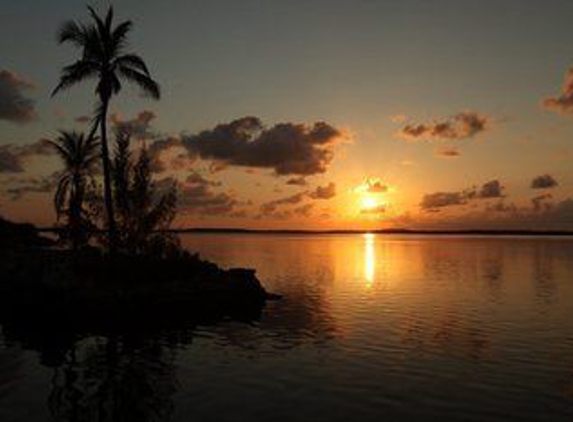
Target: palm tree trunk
108 197
75 213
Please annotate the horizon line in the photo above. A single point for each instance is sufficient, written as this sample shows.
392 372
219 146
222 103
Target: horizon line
398 231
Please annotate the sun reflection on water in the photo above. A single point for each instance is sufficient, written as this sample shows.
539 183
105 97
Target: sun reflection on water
369 259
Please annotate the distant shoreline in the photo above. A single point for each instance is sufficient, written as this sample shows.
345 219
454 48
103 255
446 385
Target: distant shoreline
477 232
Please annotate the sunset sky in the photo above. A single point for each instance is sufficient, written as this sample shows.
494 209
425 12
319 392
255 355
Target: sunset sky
316 114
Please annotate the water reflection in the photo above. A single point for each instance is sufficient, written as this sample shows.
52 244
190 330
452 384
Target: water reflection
113 380
369 258
457 326
543 274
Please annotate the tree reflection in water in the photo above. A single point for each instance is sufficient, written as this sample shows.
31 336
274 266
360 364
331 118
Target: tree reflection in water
110 367
113 380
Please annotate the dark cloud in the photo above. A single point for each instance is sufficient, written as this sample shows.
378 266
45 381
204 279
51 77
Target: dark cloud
13 157
564 102
319 193
543 214
492 189
286 148
297 181
14 105
435 201
545 181
271 206
324 192
447 152
461 126
196 196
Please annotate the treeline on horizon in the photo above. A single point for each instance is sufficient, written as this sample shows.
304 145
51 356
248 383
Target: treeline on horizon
398 231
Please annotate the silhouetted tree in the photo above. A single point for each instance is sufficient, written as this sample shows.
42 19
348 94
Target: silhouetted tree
103 57
144 209
79 154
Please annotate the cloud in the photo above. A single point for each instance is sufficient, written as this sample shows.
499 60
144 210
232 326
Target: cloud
502 207
541 215
435 201
447 152
545 181
564 102
324 192
492 189
297 181
304 210
14 105
196 196
43 184
138 127
169 155
13 157
271 206
372 185
376 186
286 148
461 126
10 162
541 202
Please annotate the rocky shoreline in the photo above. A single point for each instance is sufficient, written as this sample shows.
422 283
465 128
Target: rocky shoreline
38 278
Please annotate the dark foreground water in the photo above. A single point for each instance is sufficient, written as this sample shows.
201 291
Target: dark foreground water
371 328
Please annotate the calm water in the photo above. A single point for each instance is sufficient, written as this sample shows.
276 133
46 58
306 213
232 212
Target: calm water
371 328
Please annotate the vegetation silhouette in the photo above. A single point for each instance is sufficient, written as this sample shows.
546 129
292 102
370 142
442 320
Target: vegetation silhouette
79 154
144 212
104 57
132 278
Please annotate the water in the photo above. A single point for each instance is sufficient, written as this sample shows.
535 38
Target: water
371 328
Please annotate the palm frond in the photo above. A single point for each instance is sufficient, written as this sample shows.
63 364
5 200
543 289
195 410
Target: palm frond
109 19
133 61
72 32
75 73
144 82
119 36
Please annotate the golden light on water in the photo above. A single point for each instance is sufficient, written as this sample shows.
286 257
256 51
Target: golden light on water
369 259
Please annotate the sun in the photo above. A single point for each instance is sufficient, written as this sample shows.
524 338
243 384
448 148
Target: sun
369 202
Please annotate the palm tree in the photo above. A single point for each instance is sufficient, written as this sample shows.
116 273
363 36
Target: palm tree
104 58
79 155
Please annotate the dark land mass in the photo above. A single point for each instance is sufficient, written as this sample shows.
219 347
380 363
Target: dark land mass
98 293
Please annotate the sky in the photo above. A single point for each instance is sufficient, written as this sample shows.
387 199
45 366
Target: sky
316 114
